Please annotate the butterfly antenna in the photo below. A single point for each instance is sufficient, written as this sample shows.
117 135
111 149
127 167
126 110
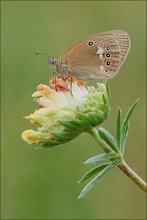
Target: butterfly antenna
38 53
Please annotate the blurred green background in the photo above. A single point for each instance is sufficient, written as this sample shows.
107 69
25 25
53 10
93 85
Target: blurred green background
43 184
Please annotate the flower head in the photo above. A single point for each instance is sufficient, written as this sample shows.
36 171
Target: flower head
67 108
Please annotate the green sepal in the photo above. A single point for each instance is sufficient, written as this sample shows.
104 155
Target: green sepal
89 119
108 138
49 144
101 158
93 171
67 136
62 135
84 118
95 180
95 119
70 125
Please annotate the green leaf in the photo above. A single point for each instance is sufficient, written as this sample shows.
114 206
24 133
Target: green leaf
119 129
124 138
108 92
108 138
95 180
125 125
93 171
101 158
106 106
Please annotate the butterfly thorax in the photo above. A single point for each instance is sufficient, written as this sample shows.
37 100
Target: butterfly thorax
61 67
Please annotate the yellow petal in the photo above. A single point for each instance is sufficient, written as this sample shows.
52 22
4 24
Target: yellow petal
28 136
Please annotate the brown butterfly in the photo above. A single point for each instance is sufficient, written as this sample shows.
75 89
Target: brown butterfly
98 56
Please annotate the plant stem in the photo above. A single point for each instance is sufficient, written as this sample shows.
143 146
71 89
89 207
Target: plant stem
132 175
95 135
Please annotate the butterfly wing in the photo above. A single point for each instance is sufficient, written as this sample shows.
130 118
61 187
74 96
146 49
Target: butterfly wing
124 43
98 56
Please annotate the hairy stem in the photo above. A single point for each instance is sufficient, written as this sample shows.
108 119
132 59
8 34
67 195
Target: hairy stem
132 175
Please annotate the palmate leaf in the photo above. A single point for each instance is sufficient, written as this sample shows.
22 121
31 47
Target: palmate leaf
101 158
93 171
92 183
125 126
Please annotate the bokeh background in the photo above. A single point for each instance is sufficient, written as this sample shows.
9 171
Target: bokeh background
43 184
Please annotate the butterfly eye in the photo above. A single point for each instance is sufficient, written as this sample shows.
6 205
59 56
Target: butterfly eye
52 61
108 48
90 43
108 63
106 71
108 55
101 44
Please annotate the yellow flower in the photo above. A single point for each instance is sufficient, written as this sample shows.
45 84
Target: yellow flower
67 108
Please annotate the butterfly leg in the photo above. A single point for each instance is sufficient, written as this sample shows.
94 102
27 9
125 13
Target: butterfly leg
54 79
